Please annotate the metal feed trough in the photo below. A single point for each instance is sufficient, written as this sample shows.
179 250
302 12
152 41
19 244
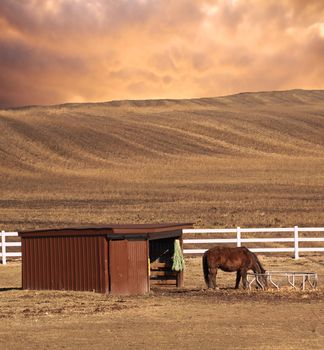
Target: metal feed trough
279 279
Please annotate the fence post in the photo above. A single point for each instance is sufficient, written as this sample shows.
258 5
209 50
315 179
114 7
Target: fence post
3 246
238 236
296 242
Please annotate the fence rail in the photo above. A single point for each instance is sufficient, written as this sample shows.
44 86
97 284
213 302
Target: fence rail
3 253
238 240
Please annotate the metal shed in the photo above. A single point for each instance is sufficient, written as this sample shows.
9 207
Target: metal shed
116 259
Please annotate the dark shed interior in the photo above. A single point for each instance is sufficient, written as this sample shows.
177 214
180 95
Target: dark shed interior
116 259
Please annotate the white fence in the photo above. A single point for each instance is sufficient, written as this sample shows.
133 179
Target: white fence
295 238
4 254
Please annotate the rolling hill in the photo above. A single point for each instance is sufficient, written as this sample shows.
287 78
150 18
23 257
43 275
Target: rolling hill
246 159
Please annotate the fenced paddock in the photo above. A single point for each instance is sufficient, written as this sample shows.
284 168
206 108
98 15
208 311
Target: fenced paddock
294 241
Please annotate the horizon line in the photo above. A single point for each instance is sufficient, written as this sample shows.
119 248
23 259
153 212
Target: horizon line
155 99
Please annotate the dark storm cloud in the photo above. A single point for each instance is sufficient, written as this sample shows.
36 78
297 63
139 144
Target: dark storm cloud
72 50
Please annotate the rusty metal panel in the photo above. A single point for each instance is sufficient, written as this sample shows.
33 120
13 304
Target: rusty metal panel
128 267
118 267
138 267
65 263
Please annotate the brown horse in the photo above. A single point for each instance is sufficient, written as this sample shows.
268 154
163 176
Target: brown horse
238 259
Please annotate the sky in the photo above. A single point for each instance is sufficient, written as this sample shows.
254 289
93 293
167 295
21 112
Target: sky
57 51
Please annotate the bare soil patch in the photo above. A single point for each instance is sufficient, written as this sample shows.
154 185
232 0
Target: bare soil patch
187 318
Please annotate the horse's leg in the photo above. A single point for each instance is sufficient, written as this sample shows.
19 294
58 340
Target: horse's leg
238 279
244 279
212 277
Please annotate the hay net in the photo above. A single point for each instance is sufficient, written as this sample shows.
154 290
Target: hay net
178 260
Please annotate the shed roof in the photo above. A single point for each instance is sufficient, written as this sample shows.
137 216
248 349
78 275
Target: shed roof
127 231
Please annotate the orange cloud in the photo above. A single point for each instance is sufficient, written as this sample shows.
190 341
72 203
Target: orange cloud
71 50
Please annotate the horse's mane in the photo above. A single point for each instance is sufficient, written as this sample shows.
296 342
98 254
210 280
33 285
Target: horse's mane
258 262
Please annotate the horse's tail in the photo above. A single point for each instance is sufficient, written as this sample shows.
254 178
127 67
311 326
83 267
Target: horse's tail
205 267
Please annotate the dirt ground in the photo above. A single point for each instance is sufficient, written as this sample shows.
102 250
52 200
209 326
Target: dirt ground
167 318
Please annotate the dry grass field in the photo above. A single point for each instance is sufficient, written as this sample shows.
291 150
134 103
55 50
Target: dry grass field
252 159
167 318
249 160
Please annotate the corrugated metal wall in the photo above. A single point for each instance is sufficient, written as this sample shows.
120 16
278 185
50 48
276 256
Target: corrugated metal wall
65 263
91 259
128 267
138 267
